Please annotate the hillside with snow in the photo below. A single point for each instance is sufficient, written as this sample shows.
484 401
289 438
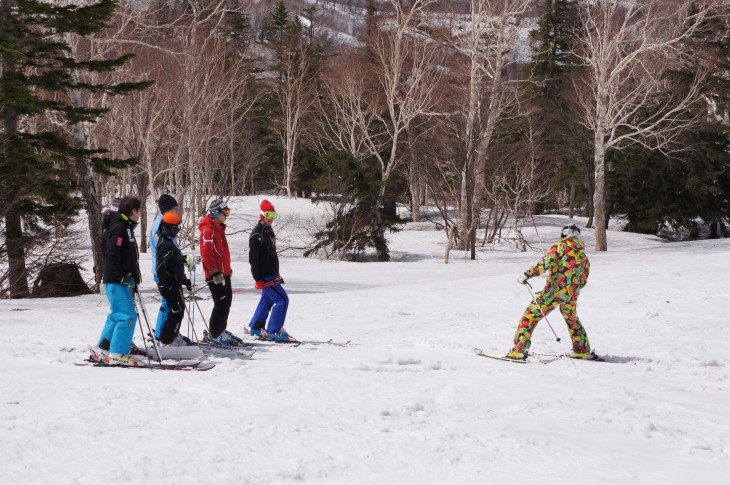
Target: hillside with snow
407 401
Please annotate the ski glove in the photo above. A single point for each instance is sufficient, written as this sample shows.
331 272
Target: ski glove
191 261
279 279
260 285
217 277
188 284
129 281
523 279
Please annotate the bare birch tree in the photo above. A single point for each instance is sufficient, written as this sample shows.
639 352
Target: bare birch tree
297 63
204 97
628 47
487 42
344 107
517 173
405 68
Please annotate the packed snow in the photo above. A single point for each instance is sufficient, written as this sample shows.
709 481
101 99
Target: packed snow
407 402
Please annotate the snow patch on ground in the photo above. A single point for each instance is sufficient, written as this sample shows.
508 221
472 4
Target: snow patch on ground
407 402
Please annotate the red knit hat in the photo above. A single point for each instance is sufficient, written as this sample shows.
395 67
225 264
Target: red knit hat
266 206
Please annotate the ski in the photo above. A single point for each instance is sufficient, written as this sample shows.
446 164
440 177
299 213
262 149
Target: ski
557 356
236 341
270 343
242 347
295 342
325 342
538 357
238 352
197 366
482 354
564 356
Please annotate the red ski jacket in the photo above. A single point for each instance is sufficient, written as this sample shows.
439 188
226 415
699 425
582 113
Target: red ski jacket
214 250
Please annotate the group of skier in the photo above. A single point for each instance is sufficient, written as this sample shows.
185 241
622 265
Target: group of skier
122 278
565 264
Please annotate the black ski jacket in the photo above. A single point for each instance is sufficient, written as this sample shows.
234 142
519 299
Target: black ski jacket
121 256
262 252
170 266
106 222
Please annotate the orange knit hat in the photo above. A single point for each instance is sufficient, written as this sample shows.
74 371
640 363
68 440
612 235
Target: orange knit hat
170 218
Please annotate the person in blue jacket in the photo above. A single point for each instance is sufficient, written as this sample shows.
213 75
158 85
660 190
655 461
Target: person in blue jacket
166 203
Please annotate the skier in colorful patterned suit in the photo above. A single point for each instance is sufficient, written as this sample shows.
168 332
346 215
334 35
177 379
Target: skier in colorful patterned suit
567 268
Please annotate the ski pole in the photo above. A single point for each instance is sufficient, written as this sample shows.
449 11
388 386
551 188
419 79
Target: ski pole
534 225
149 328
201 316
141 330
190 321
534 300
190 306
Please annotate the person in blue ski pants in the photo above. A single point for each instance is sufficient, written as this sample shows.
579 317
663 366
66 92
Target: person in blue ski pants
121 278
265 271
272 295
166 203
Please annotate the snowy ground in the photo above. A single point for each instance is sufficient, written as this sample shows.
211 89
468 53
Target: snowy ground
408 402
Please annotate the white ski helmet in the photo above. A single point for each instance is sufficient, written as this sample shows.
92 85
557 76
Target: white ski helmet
570 231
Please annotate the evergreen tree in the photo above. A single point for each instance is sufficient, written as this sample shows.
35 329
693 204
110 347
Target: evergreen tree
360 218
370 20
311 14
554 41
564 143
656 189
279 22
239 25
39 76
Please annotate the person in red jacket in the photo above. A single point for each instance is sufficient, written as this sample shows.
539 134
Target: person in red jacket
216 259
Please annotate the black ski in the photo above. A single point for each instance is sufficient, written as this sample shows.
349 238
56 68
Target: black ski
239 352
246 346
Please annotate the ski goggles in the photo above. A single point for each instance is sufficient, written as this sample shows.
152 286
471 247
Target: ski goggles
270 215
221 209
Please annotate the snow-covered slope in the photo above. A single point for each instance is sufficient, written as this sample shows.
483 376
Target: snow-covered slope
408 402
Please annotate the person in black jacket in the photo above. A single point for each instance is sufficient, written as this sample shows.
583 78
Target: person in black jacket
265 271
121 278
106 222
171 276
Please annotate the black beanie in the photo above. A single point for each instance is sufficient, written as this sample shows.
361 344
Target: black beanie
166 203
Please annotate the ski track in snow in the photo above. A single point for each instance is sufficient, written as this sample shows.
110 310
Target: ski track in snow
407 402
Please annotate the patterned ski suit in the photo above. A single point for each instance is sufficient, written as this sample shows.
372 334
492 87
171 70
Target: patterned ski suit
567 267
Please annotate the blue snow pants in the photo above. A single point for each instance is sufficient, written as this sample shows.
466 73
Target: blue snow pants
271 296
119 326
162 315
